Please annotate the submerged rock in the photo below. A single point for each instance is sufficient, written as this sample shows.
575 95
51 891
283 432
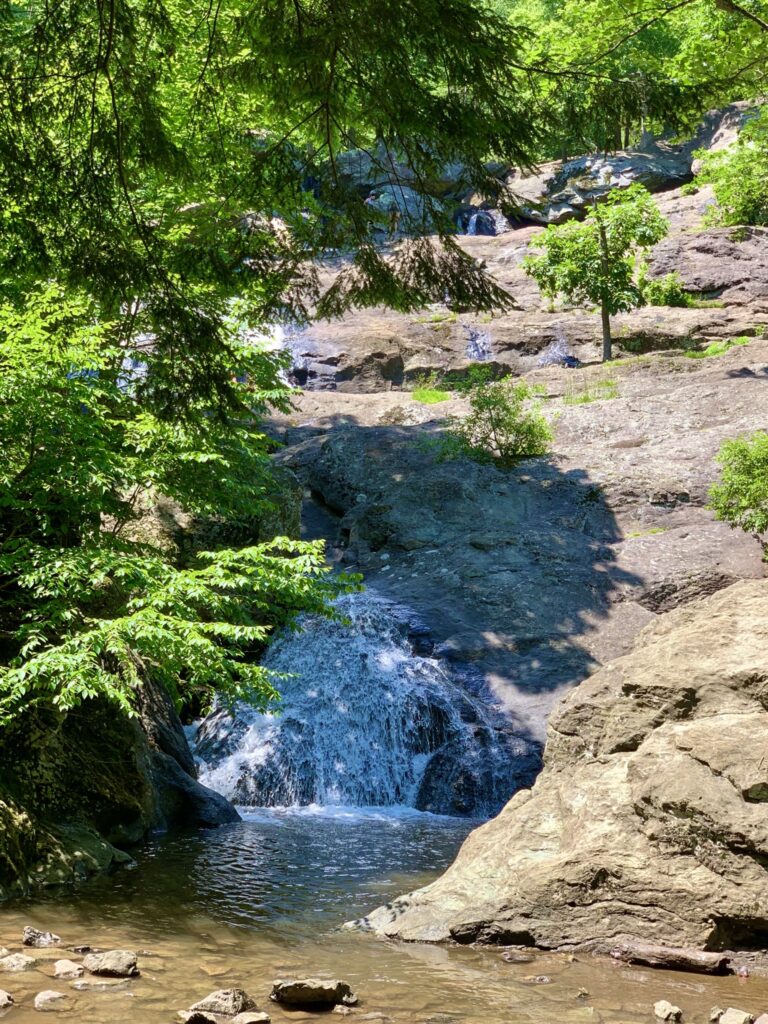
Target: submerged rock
313 992
17 962
116 963
50 999
648 821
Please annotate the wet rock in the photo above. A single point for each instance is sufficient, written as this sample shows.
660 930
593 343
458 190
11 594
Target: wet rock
762 1019
252 1017
650 775
103 985
734 1016
649 955
716 1013
538 979
67 969
17 962
82 950
226 1001
312 992
115 963
664 1010
4 952
6 999
34 937
50 999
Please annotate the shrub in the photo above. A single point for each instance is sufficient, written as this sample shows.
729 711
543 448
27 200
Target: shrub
505 423
666 291
741 497
739 176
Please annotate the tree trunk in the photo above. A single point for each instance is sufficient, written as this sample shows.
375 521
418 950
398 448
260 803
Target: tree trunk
606 318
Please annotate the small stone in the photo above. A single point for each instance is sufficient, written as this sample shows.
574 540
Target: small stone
227 1001
34 937
582 993
252 1017
715 1014
742 971
202 1017
664 1010
50 1000
537 979
6 999
17 962
762 1019
734 1016
343 1010
313 992
116 963
82 950
67 969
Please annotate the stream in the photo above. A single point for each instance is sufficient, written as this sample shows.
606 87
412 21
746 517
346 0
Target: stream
247 903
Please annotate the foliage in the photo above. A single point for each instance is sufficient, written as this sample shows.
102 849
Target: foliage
601 389
739 176
430 396
740 498
717 348
87 611
593 261
665 291
505 423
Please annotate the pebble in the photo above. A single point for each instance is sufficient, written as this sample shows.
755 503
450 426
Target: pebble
538 979
6 999
664 1010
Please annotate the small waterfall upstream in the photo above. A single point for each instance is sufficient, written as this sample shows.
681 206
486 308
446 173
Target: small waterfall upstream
364 722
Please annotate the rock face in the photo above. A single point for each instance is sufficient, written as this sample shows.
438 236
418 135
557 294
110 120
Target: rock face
143 778
648 821
562 190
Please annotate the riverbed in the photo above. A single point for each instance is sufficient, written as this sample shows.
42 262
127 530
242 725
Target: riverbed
247 903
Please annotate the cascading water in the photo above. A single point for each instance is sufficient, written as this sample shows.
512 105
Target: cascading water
479 344
364 722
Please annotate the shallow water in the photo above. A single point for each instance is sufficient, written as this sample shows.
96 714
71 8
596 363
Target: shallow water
244 904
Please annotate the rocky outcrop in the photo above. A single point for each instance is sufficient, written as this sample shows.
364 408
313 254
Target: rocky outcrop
648 822
77 789
563 190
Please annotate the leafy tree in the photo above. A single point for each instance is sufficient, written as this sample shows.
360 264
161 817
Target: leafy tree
739 176
740 498
505 423
88 609
593 261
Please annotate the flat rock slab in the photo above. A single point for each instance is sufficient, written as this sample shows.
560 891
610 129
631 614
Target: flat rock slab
116 963
671 959
312 992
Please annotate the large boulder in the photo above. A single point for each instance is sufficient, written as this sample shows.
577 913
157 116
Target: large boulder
561 190
648 821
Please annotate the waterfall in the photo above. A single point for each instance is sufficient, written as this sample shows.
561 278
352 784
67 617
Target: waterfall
479 344
364 722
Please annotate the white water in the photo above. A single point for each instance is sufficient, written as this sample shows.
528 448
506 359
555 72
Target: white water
364 723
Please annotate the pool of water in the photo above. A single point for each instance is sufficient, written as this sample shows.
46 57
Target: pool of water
264 898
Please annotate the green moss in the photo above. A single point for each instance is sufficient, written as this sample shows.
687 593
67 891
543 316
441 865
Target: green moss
593 391
646 533
430 396
717 348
